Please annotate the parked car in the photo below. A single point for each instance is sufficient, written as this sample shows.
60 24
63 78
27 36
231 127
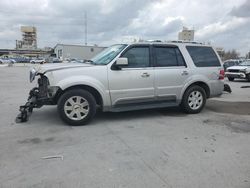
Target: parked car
78 61
73 60
7 60
22 59
56 60
38 61
241 71
129 77
231 62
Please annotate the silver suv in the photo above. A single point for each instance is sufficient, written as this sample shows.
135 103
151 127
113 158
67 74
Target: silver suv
129 77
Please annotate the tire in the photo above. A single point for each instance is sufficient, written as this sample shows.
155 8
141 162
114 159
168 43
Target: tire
74 112
230 79
248 77
198 95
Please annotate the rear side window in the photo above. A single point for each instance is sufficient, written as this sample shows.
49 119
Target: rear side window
203 56
168 56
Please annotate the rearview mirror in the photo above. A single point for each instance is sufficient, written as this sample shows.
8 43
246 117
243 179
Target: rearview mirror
122 61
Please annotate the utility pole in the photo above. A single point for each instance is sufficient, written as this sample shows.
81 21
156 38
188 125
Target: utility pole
86 25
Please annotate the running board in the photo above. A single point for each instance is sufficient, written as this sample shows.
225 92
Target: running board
143 106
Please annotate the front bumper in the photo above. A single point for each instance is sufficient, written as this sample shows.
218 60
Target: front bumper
38 96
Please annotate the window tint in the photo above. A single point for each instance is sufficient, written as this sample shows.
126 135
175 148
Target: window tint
203 56
168 56
137 57
180 59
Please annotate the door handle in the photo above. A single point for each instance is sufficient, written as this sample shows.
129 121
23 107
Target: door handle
145 74
184 73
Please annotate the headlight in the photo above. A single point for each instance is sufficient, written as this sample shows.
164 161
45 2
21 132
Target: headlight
32 74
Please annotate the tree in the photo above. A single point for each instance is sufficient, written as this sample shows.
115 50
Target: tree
231 54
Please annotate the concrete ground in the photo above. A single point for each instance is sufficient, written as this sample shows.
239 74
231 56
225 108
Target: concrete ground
148 148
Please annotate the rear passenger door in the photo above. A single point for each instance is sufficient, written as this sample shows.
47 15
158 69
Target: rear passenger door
171 72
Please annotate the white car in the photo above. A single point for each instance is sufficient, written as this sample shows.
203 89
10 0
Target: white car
129 77
38 61
241 71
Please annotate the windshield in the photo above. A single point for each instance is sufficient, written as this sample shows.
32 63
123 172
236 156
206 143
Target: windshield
245 63
108 54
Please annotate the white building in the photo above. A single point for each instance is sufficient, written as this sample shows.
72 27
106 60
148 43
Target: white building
186 34
64 51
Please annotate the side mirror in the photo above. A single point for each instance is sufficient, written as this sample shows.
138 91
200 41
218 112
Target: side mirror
121 61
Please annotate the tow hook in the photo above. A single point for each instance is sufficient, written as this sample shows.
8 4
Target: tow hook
227 88
27 109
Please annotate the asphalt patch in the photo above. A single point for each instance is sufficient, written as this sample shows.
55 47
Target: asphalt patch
235 125
240 108
35 140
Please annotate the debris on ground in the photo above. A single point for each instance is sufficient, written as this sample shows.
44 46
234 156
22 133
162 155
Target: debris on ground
53 157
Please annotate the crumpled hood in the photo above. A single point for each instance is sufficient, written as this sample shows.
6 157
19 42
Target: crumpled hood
238 67
59 66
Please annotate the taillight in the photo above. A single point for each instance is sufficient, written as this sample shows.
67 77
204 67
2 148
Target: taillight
221 74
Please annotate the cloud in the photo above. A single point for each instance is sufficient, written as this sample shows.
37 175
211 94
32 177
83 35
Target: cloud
220 27
110 21
242 11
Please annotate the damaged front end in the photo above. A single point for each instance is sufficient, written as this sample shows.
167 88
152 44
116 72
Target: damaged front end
38 96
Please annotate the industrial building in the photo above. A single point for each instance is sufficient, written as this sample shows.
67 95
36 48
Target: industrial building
186 34
64 51
29 39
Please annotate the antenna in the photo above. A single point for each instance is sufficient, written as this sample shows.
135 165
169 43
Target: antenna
86 25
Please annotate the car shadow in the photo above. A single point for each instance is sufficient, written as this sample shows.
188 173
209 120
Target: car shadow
138 114
49 115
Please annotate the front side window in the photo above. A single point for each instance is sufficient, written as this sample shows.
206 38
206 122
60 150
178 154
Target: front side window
137 57
203 56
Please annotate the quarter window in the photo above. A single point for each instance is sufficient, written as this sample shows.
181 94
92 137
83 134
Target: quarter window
203 56
137 57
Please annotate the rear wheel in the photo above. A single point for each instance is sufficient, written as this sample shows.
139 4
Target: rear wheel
194 99
77 107
230 79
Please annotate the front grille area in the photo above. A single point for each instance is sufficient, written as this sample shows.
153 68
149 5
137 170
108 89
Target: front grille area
233 70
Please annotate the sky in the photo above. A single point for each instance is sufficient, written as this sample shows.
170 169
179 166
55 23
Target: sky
223 23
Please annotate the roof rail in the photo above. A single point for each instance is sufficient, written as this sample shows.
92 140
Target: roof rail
182 41
157 40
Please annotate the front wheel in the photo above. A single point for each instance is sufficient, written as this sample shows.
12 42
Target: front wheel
76 107
248 77
194 99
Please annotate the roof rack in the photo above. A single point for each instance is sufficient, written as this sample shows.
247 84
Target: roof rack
182 41
153 40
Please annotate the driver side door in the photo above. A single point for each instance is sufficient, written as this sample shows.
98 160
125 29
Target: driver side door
133 84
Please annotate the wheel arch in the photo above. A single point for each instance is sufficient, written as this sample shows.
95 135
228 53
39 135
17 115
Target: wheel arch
96 94
201 84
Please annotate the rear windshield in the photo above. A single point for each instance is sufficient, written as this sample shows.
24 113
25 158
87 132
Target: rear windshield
203 56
